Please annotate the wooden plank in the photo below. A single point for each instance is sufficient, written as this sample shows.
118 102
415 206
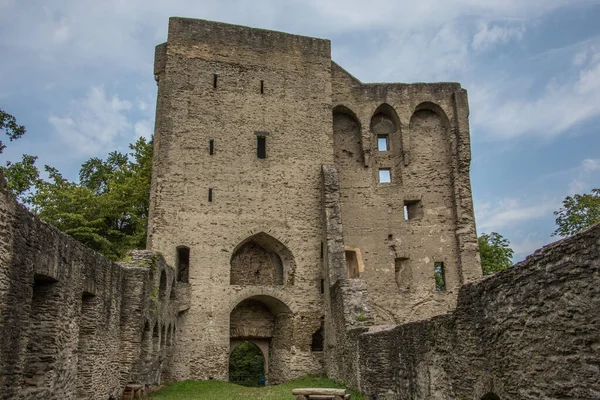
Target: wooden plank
319 391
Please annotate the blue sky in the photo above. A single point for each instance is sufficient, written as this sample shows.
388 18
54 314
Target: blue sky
78 74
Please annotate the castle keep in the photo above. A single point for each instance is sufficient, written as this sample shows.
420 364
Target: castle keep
246 120
326 220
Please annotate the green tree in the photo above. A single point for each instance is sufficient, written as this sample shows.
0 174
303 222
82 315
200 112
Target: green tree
495 251
246 364
9 125
577 213
21 176
108 209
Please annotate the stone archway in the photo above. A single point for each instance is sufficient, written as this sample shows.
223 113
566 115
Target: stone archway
248 361
267 322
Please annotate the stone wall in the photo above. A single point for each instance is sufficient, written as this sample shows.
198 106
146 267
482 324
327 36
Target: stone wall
72 323
425 214
530 332
221 87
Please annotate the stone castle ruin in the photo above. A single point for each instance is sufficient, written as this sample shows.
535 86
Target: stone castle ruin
328 221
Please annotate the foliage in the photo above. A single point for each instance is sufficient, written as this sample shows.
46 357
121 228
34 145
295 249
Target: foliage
246 365
21 176
495 251
577 212
107 210
215 390
9 125
440 279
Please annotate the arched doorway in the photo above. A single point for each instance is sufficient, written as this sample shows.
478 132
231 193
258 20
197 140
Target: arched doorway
266 322
247 364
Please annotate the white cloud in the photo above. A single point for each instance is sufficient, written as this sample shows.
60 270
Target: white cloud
493 34
559 107
508 212
97 123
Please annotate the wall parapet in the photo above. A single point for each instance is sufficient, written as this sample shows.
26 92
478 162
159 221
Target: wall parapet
73 323
529 332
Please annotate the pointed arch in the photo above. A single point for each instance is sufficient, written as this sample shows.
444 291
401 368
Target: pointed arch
385 120
261 260
436 108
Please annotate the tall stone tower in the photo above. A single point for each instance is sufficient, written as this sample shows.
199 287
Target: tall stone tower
246 122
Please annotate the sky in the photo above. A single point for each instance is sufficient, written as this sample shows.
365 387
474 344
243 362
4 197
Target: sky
78 74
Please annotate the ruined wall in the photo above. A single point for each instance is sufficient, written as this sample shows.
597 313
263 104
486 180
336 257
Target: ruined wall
530 332
220 88
427 153
71 321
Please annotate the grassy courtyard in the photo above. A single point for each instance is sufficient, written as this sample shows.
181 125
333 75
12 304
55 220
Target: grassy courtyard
214 390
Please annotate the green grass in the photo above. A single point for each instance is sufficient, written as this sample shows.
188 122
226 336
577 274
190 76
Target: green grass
215 390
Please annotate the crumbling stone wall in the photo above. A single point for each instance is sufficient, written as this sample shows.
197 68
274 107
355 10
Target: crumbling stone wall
530 332
245 120
71 321
426 130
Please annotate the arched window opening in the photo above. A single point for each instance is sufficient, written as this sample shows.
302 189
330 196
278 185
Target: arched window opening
247 365
146 341
183 264
156 338
317 340
172 295
261 260
384 124
44 320
162 288
85 346
169 336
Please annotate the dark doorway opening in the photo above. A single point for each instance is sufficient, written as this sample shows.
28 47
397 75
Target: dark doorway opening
247 365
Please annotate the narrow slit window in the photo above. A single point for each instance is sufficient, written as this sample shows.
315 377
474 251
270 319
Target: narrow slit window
211 147
210 195
261 147
183 264
440 276
215 80
262 87
382 143
385 175
322 286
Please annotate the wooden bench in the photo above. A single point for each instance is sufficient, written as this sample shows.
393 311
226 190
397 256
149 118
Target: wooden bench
320 394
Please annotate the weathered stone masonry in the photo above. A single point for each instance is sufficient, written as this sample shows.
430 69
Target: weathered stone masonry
73 324
246 121
530 332
308 212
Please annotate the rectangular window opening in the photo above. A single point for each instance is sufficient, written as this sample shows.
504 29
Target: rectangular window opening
382 143
322 286
215 79
261 147
413 209
211 147
352 264
210 195
385 175
183 264
440 276
262 87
